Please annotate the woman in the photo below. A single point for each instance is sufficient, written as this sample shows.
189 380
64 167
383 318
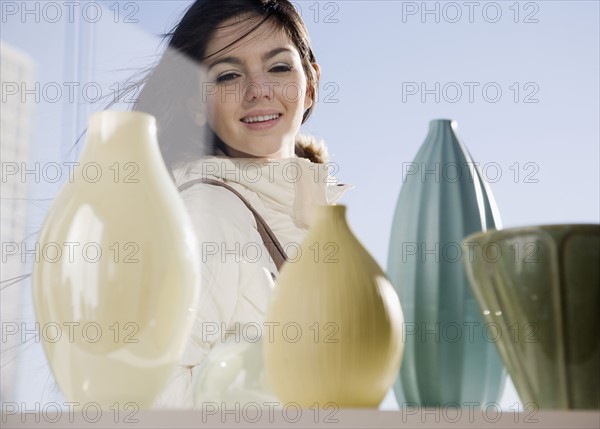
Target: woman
238 124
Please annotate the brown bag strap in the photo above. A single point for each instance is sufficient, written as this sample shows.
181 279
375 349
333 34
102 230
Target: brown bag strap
270 241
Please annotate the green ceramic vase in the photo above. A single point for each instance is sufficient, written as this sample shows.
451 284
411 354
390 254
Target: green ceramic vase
539 292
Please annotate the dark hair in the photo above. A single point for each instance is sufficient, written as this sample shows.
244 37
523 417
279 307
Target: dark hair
174 80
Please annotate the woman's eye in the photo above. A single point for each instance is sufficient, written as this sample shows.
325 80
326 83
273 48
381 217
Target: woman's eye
281 68
226 77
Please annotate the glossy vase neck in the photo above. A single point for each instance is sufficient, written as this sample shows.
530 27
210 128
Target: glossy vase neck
120 136
440 129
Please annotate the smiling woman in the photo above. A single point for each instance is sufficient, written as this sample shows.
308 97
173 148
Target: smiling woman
240 57
230 93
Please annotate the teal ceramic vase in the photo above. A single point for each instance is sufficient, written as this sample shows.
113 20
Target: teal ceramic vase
448 359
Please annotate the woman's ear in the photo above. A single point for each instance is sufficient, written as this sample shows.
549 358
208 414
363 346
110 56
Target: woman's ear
196 112
317 68
311 91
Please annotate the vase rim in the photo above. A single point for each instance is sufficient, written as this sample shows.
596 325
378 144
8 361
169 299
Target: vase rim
121 114
529 229
335 210
333 207
441 120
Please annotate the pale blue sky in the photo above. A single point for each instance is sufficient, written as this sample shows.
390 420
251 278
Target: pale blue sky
378 48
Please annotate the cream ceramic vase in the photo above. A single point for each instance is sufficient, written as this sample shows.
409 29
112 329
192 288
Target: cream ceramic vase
117 277
333 330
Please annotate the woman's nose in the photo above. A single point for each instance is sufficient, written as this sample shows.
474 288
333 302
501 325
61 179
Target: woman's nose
257 87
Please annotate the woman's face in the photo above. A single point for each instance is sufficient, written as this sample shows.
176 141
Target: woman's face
256 90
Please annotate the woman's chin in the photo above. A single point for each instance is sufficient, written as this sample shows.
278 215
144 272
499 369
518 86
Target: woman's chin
259 151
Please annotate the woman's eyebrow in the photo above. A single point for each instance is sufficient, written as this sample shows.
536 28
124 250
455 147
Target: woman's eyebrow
237 61
231 60
274 52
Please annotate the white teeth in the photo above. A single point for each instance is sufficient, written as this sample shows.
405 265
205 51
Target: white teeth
260 118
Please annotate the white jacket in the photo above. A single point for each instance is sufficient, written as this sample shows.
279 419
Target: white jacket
236 267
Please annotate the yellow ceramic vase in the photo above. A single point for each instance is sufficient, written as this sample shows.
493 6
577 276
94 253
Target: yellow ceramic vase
333 330
116 275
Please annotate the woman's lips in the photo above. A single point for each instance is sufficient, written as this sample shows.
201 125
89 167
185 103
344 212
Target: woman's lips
262 125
